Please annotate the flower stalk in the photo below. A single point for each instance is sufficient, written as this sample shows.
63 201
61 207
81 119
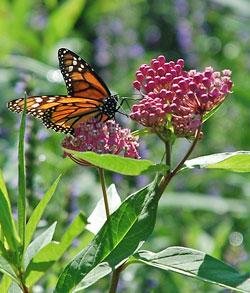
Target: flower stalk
104 191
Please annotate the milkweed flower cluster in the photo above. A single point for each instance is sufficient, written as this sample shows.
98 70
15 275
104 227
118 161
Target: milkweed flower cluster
185 96
102 138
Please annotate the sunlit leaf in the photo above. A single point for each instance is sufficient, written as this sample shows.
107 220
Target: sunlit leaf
38 243
5 283
231 161
196 264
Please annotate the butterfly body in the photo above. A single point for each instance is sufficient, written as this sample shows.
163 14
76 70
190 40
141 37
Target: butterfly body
88 97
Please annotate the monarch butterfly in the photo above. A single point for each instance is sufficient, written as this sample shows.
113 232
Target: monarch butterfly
88 97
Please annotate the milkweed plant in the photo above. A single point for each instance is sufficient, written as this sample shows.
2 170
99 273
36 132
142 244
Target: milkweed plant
173 103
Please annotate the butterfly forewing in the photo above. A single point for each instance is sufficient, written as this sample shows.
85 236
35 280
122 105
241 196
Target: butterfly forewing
80 78
88 97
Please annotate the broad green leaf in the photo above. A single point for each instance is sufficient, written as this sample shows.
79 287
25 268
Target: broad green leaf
6 268
118 164
98 216
58 24
7 223
121 235
231 161
21 199
38 212
196 264
38 243
47 256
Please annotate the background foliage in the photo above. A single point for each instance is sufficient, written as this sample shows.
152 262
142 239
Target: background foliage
206 210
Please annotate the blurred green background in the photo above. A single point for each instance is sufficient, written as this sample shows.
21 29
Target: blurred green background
206 210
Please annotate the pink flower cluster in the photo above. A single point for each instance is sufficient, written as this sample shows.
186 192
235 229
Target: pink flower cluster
167 89
103 138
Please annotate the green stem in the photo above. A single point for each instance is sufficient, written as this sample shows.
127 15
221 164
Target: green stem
168 155
166 179
115 277
116 272
104 191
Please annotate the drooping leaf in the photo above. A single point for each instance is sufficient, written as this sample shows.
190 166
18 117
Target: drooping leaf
38 212
196 264
231 161
118 164
48 255
121 235
98 216
38 243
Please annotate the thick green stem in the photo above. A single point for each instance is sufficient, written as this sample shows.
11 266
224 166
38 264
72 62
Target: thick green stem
104 191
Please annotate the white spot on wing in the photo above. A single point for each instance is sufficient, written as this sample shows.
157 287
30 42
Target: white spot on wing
35 105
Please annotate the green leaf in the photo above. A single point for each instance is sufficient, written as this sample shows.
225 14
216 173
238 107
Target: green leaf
6 219
14 288
58 25
48 255
98 216
5 283
21 200
231 161
209 114
38 212
6 268
38 243
196 264
121 235
100 271
118 164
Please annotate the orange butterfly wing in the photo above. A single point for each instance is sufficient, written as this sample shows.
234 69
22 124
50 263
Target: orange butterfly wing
88 97
80 78
60 113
